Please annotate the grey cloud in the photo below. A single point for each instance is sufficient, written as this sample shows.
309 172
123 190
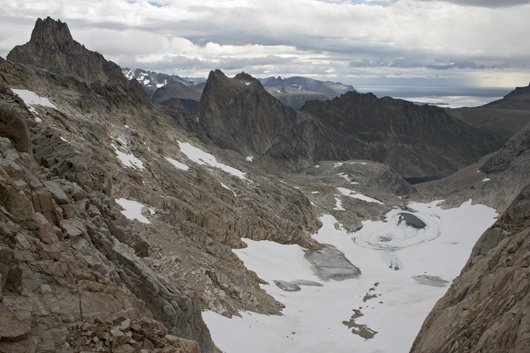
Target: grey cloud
486 3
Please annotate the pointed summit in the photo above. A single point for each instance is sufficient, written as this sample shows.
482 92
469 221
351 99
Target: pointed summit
50 30
52 48
237 113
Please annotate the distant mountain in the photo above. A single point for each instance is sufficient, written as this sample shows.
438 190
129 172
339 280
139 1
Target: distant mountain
416 140
292 91
176 89
295 91
237 113
151 80
504 117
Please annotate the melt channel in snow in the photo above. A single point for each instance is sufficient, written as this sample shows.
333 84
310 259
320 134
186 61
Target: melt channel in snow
404 271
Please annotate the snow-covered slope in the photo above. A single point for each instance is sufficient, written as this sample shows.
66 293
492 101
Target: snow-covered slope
379 311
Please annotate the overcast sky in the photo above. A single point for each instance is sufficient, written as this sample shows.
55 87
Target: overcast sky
423 45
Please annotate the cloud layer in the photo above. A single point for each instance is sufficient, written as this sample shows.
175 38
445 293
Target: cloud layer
359 42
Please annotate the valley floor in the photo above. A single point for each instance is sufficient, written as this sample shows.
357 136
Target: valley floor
404 271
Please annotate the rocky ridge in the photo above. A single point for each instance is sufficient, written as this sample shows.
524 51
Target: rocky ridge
66 259
487 308
415 140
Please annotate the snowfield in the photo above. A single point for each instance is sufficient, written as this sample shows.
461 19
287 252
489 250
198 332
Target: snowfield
204 158
177 164
128 159
133 210
31 99
404 271
358 195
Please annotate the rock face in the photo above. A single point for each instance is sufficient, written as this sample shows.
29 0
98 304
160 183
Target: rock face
487 308
416 140
52 48
239 114
62 267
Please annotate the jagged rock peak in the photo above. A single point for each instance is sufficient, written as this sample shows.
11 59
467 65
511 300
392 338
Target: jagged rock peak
243 76
52 48
239 114
217 77
49 30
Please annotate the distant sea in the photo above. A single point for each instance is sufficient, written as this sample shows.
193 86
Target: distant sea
452 101
447 97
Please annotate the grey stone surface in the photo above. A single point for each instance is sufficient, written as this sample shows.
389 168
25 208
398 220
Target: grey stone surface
411 220
295 286
329 263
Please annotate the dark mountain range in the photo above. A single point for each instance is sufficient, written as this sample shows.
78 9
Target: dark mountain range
292 91
295 91
503 117
416 140
151 81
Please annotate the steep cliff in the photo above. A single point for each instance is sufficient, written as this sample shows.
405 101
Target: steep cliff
487 308
240 115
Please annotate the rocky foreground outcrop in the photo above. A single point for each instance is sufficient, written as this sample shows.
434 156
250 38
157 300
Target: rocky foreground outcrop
66 282
487 308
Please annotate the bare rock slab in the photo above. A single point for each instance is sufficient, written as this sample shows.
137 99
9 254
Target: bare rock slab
329 263
12 328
